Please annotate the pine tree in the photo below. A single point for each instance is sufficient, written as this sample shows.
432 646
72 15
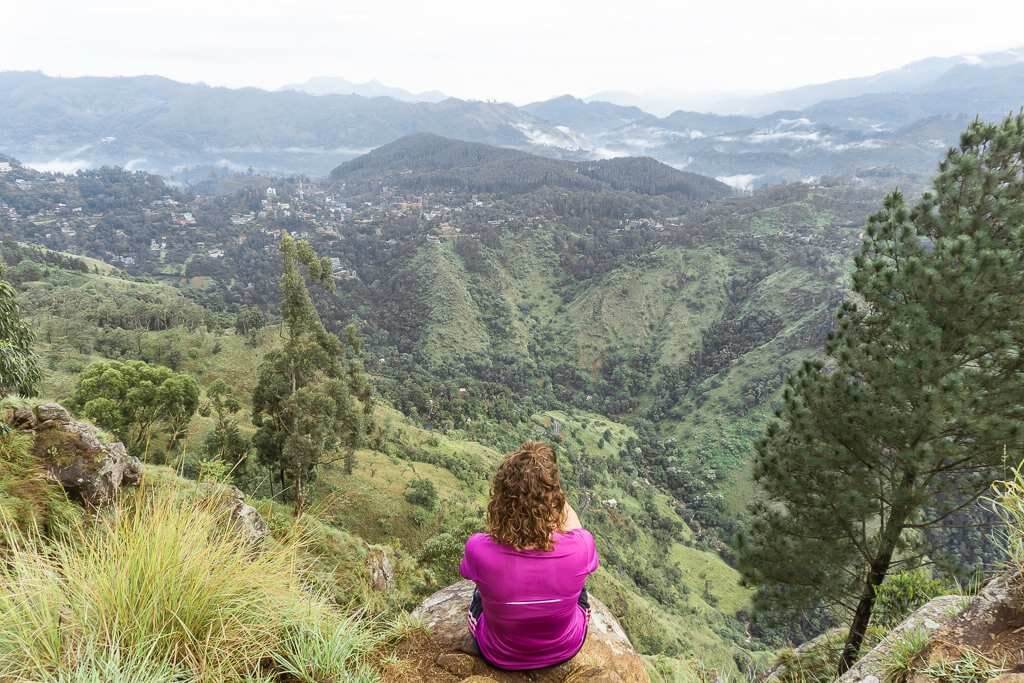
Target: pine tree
907 419
312 398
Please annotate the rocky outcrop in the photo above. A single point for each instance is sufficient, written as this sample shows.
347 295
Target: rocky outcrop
989 633
382 574
246 519
75 455
871 667
606 657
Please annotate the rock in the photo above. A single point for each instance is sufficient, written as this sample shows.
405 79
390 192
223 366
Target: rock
456 663
606 657
247 519
52 411
382 574
22 417
871 667
1008 678
992 625
75 456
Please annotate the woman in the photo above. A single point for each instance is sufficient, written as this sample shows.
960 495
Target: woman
530 608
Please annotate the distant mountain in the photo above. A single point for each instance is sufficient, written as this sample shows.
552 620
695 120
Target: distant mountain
911 77
188 130
426 161
327 85
924 75
586 117
665 101
165 126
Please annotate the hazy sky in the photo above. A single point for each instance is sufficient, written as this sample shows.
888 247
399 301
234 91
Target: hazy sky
517 50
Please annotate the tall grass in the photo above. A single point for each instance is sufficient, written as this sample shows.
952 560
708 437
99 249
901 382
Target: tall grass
899 662
164 589
1009 499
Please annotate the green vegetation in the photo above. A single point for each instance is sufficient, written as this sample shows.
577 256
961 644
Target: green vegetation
19 366
27 500
969 667
902 657
133 400
313 396
162 585
646 335
910 416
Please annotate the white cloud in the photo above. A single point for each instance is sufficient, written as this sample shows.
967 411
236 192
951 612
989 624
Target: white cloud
743 182
66 166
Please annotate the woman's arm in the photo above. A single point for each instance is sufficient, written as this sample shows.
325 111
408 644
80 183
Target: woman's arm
572 520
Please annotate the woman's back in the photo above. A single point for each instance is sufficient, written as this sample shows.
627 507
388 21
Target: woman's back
532 614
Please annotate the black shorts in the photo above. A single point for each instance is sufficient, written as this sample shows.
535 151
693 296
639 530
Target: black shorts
476 608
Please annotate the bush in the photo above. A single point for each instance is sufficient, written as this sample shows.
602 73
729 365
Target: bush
422 492
903 593
166 582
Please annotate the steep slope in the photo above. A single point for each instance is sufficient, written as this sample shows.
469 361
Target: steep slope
675 596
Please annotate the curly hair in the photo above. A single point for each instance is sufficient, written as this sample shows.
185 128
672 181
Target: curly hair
527 502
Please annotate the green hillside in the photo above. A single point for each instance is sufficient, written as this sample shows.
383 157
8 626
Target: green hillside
674 594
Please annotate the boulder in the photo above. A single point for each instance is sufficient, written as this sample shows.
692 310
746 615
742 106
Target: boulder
382 574
606 657
246 519
992 626
75 455
871 667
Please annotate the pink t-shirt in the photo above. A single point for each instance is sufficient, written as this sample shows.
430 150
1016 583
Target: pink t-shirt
531 615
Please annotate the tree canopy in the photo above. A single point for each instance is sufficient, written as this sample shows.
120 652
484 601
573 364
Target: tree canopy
19 366
134 399
312 398
911 414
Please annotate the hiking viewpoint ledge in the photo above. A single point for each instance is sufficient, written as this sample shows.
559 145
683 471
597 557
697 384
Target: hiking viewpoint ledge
606 657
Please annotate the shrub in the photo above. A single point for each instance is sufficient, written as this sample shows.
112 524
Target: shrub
422 492
903 593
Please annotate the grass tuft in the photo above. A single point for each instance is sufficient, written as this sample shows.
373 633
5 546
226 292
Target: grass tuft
970 667
901 658
165 585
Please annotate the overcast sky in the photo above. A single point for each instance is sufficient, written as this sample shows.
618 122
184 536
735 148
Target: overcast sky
519 50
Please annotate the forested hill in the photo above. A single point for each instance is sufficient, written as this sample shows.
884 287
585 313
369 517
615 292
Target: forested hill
427 161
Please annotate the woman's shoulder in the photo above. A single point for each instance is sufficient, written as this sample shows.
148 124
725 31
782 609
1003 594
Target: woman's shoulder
478 539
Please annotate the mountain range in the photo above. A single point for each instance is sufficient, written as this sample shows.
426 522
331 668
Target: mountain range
890 126
327 85
917 75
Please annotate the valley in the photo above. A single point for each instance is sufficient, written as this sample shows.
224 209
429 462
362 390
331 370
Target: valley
641 317
262 351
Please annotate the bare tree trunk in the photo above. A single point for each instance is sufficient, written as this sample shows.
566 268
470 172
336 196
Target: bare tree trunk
877 571
300 494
